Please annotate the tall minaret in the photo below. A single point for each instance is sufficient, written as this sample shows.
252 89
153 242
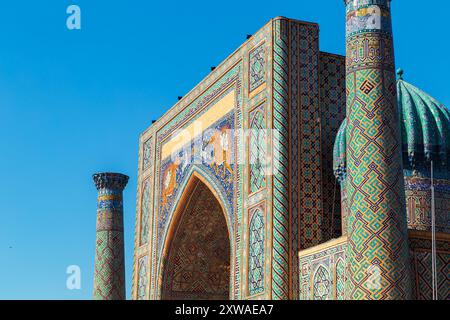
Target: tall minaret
378 254
109 269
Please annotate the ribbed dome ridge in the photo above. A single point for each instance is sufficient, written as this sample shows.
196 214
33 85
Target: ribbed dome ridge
425 126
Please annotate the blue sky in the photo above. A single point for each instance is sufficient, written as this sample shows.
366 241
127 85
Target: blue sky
74 102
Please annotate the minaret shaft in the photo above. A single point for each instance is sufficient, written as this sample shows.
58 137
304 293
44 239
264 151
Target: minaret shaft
109 269
378 259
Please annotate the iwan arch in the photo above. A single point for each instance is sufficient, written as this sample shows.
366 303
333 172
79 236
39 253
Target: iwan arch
211 224
197 252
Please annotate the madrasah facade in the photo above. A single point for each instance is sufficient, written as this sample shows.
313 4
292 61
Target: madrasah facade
289 173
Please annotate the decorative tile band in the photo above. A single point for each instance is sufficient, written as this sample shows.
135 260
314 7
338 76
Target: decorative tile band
418 204
280 253
257 67
256 259
144 224
142 278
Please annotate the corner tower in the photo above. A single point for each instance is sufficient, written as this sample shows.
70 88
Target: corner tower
378 260
109 268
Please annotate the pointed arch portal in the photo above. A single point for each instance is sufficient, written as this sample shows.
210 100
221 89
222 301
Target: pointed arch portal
197 264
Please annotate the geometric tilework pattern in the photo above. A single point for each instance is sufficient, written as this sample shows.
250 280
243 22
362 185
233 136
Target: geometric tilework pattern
109 269
322 284
418 203
375 190
333 256
257 149
309 223
424 279
332 104
294 158
340 280
312 223
147 155
256 253
420 248
322 272
145 215
280 263
142 278
257 67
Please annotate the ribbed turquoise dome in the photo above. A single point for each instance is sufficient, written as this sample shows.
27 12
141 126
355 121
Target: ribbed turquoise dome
425 130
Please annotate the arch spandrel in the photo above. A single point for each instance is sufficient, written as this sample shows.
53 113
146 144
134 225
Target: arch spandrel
196 173
218 169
